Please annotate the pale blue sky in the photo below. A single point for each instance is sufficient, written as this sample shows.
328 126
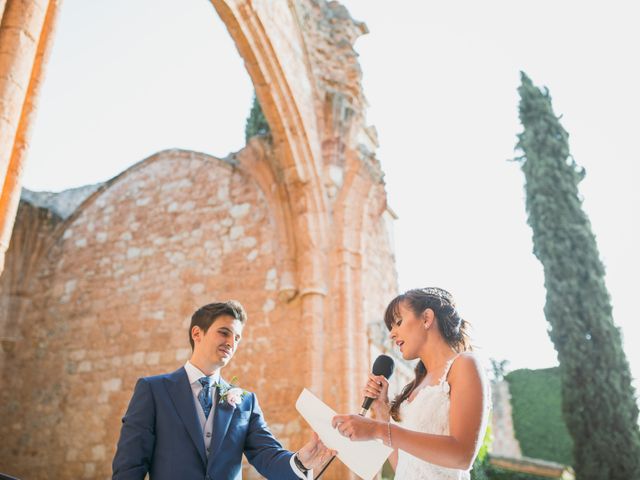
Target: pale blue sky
129 78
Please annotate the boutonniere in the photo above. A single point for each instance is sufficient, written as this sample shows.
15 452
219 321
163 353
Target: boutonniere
231 393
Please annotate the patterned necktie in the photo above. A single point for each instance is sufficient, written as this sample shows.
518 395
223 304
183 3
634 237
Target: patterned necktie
205 396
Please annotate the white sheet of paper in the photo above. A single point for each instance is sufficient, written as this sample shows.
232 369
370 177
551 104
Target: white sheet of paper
365 459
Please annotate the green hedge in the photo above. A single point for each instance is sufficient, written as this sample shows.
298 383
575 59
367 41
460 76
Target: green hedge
537 415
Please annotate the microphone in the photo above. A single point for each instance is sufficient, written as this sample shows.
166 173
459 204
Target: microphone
382 366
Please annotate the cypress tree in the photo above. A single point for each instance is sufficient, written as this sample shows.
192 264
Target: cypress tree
598 399
256 122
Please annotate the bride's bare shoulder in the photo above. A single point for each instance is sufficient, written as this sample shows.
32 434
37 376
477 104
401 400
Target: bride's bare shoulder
466 364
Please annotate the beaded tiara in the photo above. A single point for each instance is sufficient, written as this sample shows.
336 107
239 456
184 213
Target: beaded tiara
440 293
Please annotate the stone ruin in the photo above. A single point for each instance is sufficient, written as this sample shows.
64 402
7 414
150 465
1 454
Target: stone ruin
99 283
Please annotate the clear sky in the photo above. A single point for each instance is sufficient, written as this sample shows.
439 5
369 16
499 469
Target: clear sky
129 78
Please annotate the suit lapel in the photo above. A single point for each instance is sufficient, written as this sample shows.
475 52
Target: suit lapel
221 420
182 398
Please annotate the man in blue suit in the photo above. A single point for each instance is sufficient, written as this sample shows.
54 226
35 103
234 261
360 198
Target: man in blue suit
193 425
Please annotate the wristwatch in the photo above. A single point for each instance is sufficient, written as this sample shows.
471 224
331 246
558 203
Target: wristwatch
299 464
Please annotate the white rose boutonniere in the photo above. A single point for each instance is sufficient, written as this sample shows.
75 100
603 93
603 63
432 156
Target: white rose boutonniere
230 394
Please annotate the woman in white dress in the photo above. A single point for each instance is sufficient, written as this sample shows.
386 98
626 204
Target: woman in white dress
437 423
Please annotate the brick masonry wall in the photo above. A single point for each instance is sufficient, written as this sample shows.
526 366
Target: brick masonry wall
31 239
113 303
379 286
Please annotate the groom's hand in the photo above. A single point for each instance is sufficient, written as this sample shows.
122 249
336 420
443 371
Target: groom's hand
314 453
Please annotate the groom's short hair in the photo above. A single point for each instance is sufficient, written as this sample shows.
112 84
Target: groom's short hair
206 315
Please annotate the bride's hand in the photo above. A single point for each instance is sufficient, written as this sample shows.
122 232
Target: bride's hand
357 428
378 388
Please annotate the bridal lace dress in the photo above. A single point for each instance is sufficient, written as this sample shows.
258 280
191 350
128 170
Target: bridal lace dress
428 412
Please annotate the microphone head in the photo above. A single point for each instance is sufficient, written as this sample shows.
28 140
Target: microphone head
383 366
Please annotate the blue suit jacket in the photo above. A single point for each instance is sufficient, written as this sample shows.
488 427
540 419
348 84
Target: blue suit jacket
161 434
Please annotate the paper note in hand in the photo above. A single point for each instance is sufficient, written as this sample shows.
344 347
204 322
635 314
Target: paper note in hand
365 459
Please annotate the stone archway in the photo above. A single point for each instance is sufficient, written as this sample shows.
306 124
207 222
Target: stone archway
321 178
269 40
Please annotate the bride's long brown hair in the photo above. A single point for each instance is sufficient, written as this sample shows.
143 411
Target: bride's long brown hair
453 328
